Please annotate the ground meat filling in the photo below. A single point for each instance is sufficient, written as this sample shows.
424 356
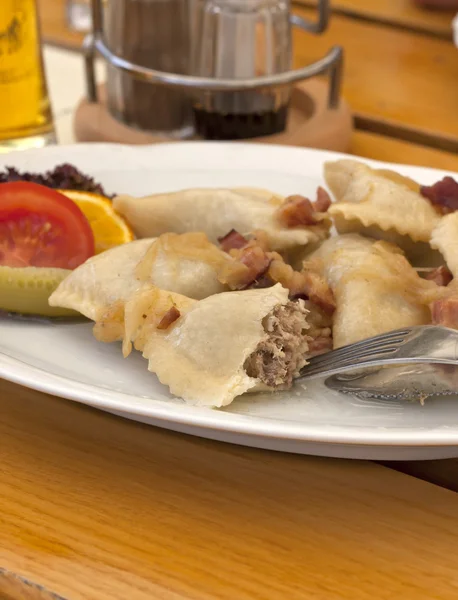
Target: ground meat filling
320 332
280 356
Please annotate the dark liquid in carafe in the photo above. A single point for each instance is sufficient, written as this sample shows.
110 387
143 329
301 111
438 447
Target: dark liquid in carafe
239 126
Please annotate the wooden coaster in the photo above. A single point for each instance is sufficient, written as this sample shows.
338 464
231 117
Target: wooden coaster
310 123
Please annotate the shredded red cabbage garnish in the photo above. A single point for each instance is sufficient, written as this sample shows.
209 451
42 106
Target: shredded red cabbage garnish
443 194
64 177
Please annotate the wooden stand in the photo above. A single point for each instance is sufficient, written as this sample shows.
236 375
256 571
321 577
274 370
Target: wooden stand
311 123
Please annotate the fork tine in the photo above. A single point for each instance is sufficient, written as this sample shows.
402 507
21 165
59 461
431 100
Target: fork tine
330 359
353 349
374 348
384 337
331 364
363 355
381 337
312 369
422 344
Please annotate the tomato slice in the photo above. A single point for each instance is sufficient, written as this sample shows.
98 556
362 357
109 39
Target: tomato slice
40 227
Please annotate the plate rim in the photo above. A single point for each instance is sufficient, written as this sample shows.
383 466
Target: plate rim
180 146
216 419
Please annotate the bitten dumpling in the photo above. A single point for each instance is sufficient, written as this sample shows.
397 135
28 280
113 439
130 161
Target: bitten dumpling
383 205
375 287
216 212
220 347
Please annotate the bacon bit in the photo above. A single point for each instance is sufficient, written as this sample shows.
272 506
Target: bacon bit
170 317
307 285
297 286
255 267
257 262
264 281
261 239
296 211
319 292
445 312
299 211
443 195
441 276
323 200
248 268
232 240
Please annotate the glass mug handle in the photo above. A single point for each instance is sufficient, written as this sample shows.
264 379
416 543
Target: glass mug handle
315 26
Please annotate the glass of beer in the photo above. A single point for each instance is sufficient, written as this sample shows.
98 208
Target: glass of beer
25 110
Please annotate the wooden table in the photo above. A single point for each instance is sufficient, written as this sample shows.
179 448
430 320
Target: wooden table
96 507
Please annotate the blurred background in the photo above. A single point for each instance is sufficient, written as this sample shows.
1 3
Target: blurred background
398 84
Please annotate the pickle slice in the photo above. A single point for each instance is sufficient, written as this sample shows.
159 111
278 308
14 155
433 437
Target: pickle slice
26 291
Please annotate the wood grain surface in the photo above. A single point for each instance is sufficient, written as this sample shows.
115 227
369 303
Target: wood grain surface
15 587
394 78
381 147
395 13
94 507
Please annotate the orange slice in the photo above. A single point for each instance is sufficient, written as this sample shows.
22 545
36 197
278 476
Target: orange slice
109 228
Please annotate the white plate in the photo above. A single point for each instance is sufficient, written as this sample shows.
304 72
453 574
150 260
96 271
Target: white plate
65 360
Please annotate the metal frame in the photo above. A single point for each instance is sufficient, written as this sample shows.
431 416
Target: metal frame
332 64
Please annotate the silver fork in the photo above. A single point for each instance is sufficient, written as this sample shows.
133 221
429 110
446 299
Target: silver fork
426 344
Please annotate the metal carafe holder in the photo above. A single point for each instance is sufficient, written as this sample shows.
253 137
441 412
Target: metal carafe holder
195 89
